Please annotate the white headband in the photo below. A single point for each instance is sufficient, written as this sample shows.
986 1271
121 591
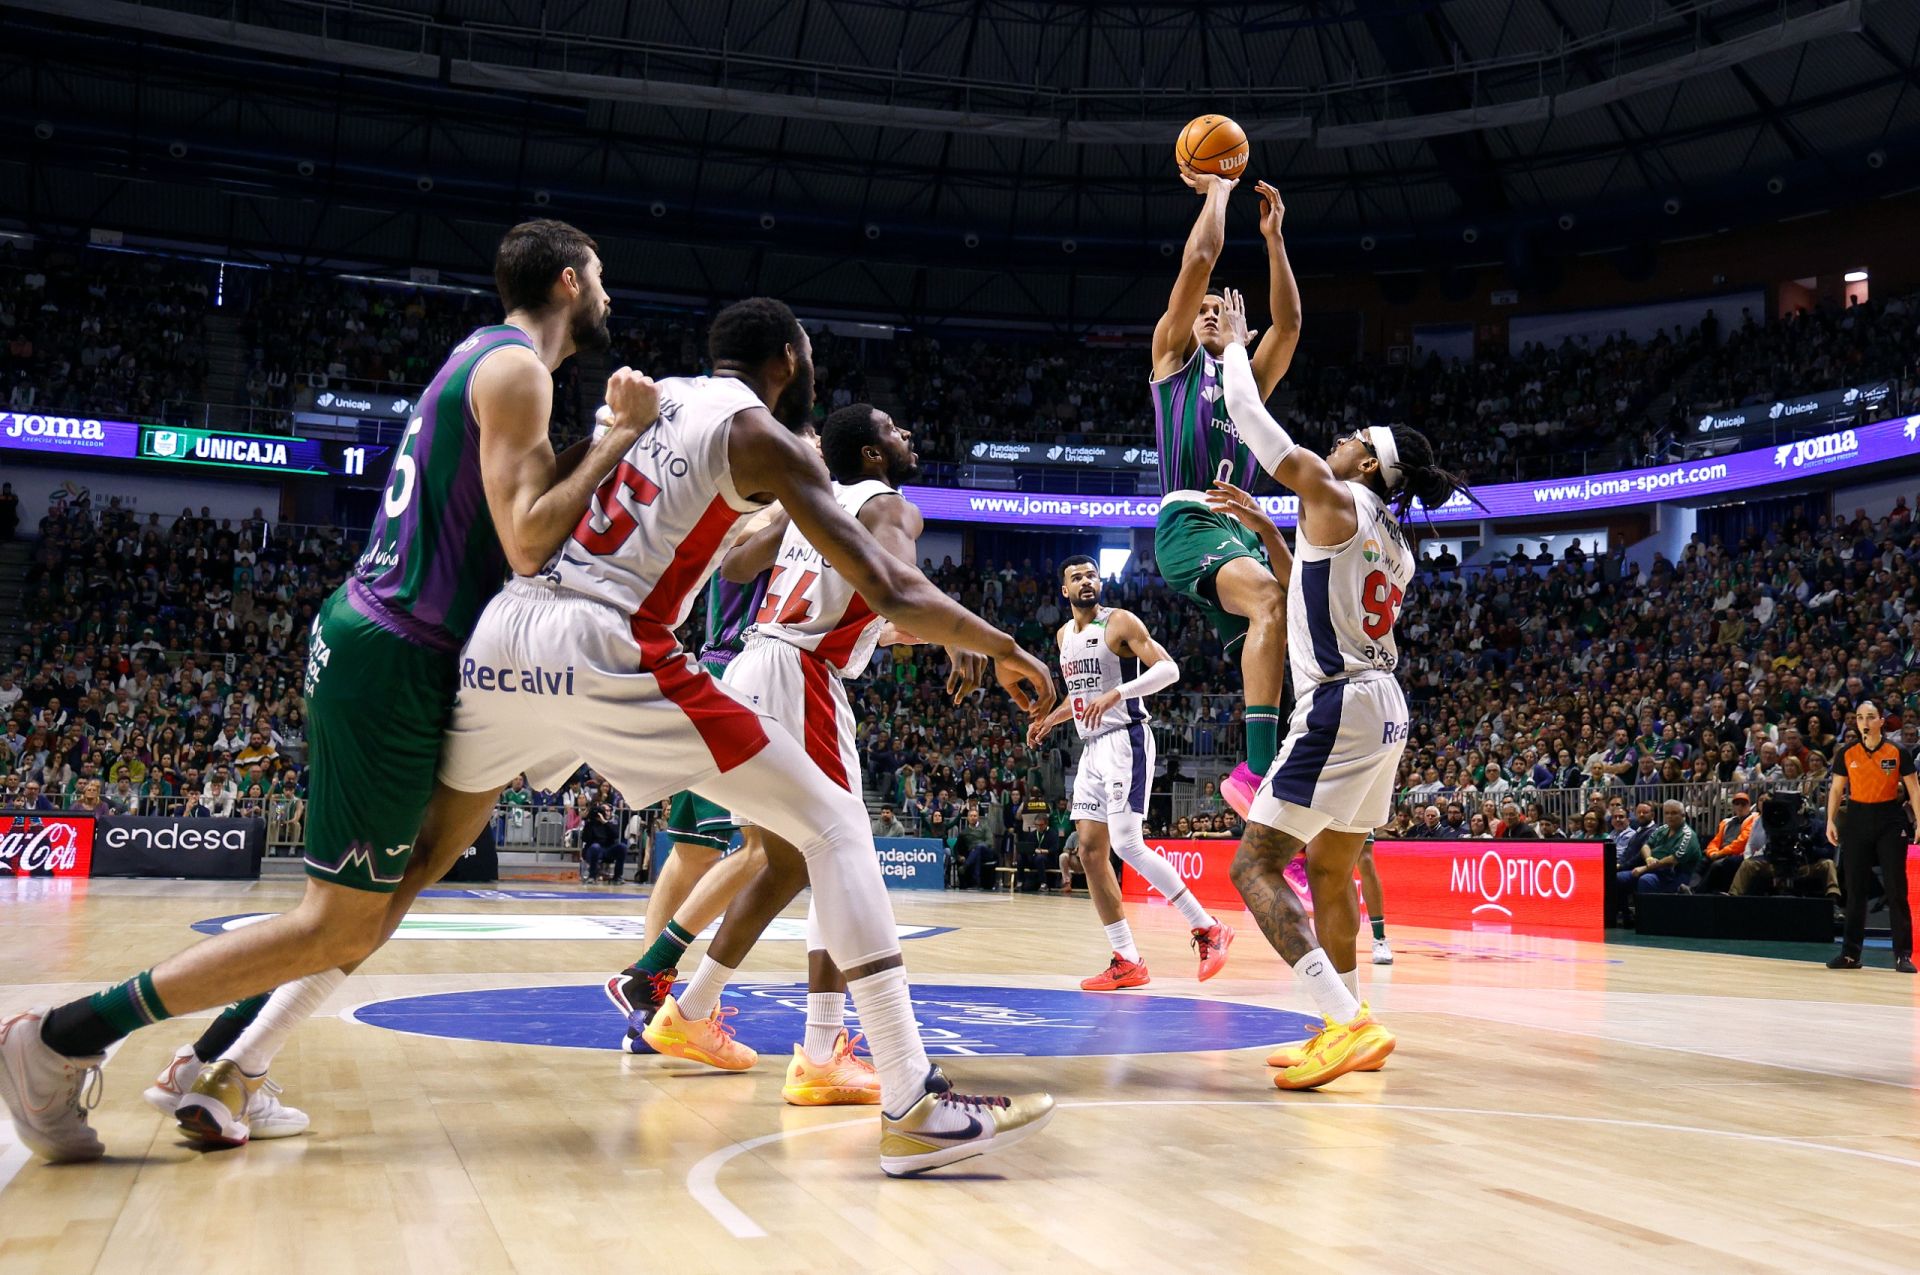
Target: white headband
1387 453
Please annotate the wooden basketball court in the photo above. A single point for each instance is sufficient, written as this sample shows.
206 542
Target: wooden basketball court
1554 1105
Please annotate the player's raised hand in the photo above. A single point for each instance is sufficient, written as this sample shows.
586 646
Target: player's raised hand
1225 498
966 672
1203 183
1233 317
1027 680
633 402
1273 210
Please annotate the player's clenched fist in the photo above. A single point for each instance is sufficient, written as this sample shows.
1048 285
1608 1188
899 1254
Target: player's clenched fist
633 401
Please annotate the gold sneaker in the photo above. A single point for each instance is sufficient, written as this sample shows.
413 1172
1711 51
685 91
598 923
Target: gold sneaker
228 1108
909 1145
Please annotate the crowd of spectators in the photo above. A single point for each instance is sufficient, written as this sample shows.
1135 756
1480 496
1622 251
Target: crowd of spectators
99 332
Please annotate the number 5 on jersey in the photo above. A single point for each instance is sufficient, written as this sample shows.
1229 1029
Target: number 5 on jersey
1380 599
608 520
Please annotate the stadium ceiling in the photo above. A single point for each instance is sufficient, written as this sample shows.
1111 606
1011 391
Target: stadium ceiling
921 158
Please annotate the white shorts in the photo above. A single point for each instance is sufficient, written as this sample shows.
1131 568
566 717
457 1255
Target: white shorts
1116 771
551 680
803 696
1337 766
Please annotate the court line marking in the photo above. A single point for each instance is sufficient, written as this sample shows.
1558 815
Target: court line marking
703 1180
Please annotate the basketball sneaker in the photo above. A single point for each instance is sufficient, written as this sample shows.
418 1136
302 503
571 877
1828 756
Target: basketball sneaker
49 1093
175 1079
709 1040
1296 875
1240 788
1337 1049
943 1127
1382 952
1212 944
638 994
845 1079
1120 972
207 1112
1295 1053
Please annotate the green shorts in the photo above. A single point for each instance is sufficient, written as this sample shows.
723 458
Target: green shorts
693 819
1191 543
377 706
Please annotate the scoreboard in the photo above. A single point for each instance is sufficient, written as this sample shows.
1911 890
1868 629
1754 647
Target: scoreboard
351 461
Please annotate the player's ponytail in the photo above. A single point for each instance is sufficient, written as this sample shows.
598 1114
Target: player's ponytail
1421 478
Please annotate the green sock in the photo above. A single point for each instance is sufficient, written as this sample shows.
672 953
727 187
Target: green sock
1263 736
666 950
87 1026
1379 928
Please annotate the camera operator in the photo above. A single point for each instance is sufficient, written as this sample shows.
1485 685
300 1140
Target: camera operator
600 845
1870 774
1782 853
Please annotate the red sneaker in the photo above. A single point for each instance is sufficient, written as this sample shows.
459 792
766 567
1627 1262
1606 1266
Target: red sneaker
1212 944
1120 972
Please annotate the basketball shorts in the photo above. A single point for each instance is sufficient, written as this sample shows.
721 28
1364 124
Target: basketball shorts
377 708
1190 544
1116 772
804 697
1336 767
691 818
551 680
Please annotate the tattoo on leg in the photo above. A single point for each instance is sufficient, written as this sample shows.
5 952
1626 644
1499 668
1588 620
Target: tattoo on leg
1259 873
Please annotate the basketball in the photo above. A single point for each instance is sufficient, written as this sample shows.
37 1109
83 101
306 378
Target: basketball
1213 144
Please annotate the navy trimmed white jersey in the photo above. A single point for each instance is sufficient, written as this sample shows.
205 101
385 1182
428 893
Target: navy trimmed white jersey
1091 669
1344 599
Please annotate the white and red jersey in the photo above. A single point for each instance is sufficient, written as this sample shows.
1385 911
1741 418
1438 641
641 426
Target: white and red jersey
657 527
810 605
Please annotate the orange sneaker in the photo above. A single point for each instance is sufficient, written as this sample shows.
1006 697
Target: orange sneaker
1337 1049
845 1079
1120 972
708 1040
1212 944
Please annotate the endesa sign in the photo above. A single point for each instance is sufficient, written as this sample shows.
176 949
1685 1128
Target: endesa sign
1554 888
45 845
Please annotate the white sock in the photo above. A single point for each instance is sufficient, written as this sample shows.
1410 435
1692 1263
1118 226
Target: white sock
1329 991
286 1009
826 1017
1132 847
703 989
886 1015
1352 979
1120 939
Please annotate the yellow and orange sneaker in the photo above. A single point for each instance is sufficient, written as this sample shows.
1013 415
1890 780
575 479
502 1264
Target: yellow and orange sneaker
845 1079
1295 1052
1120 972
708 1040
1337 1049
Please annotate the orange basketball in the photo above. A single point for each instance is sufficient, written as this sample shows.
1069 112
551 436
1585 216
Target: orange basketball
1213 144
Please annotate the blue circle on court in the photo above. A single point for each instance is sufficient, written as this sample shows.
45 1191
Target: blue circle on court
955 1021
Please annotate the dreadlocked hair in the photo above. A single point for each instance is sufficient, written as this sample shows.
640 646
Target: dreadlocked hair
1421 479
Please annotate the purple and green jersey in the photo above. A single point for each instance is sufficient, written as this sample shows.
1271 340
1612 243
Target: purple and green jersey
1198 443
433 558
730 612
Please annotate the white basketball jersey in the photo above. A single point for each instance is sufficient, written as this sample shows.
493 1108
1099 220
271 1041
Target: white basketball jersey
1343 600
810 605
657 527
1091 668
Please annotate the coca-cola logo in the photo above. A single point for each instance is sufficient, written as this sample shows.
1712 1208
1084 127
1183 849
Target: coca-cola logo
46 846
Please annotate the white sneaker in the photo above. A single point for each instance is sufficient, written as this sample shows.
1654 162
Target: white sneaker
174 1081
48 1093
1382 953
206 1112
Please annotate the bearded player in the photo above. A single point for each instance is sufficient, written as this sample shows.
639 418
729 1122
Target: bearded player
1332 782
1204 554
1116 770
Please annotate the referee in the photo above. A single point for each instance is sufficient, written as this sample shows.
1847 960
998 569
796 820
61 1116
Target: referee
1869 774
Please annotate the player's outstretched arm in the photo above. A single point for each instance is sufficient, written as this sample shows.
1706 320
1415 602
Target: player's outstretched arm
1274 354
1129 637
1326 506
768 460
1173 335
757 547
895 523
534 507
